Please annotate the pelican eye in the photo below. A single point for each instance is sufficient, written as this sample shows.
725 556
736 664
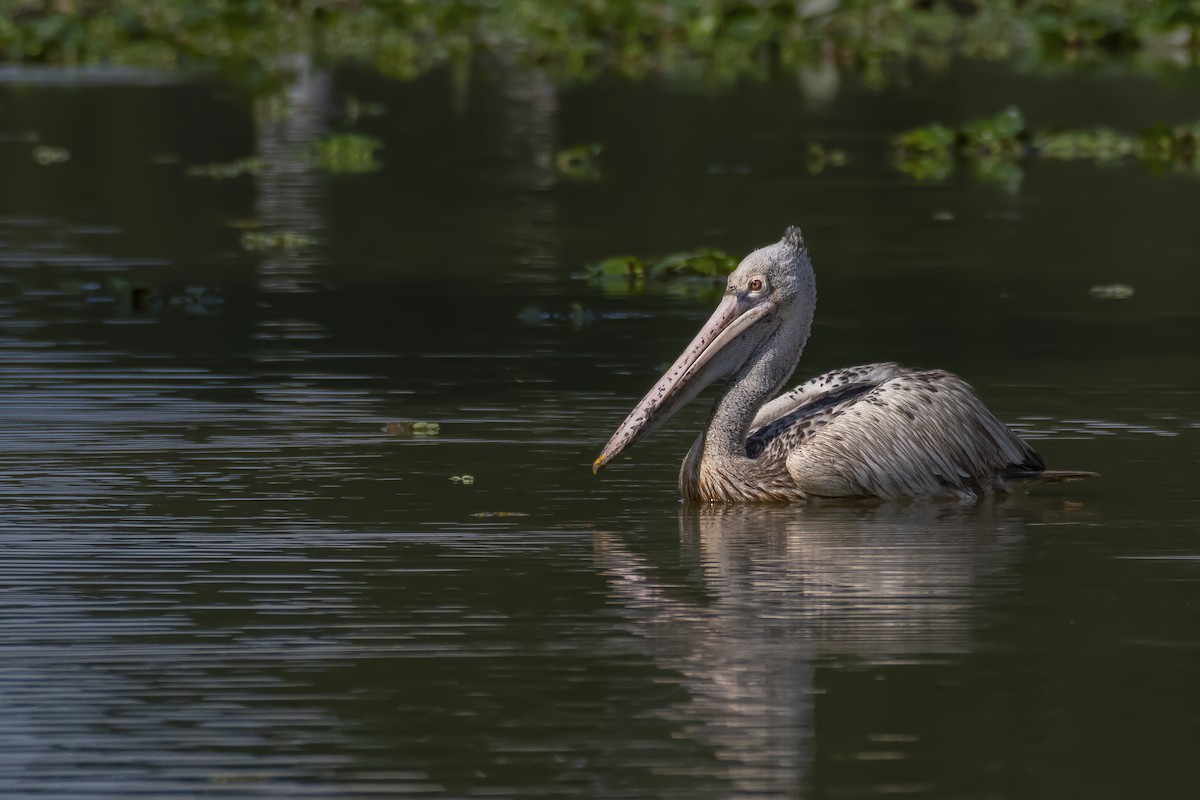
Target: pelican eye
756 285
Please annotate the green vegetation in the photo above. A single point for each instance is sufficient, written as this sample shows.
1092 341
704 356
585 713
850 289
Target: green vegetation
413 428
341 152
253 165
926 153
697 274
1160 146
258 241
993 147
580 162
819 158
703 39
348 152
356 109
1112 291
45 155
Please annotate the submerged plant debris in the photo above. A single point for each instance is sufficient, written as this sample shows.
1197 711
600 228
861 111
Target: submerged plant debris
993 147
129 295
412 428
252 165
576 316
697 274
356 109
197 300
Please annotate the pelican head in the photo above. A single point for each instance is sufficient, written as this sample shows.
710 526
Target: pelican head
764 316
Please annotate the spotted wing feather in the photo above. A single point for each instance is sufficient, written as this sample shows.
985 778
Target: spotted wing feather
914 434
793 417
813 390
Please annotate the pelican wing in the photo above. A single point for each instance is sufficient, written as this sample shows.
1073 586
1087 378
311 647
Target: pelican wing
820 387
914 434
782 424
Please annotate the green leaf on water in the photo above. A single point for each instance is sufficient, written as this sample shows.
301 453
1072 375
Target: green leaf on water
1111 291
999 135
704 262
258 241
46 155
348 153
621 275
693 274
412 428
580 162
819 158
251 165
995 146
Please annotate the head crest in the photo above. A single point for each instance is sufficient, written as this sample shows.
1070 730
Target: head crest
793 238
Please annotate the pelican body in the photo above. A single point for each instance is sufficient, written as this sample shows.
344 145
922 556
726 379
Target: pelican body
877 430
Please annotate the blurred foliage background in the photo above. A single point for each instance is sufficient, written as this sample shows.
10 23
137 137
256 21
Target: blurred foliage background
712 40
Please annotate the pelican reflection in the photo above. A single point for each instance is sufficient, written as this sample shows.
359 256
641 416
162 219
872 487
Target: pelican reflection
774 593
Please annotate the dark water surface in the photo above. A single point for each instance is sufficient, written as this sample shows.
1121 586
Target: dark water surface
220 577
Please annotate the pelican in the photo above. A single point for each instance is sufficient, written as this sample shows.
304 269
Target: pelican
877 430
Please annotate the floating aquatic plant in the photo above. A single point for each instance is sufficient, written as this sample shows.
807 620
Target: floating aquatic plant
252 165
412 428
695 273
1000 135
1111 291
257 241
580 162
348 153
704 262
356 109
994 147
1097 144
617 275
820 158
46 155
926 153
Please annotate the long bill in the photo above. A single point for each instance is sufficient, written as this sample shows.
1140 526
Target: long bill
716 352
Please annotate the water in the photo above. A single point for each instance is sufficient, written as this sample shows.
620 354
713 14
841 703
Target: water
222 577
